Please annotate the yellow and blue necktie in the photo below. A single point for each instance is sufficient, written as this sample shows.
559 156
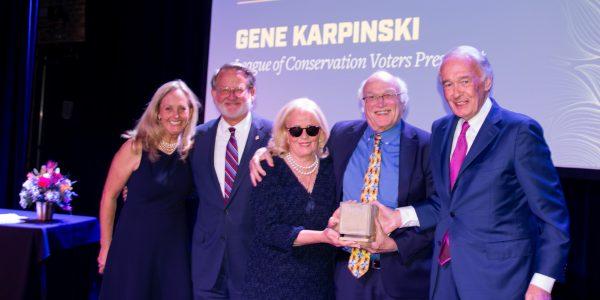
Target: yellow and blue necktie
360 259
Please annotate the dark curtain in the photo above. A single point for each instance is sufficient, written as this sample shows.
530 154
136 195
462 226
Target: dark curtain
73 105
130 49
583 202
17 36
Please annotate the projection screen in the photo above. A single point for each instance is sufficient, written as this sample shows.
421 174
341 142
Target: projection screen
545 56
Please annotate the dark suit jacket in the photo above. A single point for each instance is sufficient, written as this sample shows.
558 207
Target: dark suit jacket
223 229
405 272
506 214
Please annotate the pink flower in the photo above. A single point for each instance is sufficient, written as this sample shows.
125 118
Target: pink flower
43 182
56 177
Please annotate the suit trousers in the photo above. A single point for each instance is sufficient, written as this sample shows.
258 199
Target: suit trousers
224 288
445 287
368 286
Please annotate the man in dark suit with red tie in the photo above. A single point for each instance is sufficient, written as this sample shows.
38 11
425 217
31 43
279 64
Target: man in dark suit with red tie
222 150
502 223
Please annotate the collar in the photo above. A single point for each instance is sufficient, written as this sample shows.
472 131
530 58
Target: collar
386 135
243 125
477 121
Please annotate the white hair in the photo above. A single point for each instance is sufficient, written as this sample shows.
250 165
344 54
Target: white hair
472 52
401 84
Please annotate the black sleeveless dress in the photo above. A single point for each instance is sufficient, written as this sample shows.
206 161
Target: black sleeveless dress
149 257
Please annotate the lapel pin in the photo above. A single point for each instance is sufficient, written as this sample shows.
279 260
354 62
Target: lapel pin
256 138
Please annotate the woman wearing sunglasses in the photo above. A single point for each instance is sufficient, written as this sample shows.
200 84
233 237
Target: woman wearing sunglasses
293 248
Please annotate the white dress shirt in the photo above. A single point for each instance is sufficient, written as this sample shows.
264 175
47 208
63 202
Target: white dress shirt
474 125
409 215
242 129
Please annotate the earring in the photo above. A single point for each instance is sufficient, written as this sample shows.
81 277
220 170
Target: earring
159 118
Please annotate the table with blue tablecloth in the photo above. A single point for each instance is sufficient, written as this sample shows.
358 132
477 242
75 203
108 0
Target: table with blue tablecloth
24 248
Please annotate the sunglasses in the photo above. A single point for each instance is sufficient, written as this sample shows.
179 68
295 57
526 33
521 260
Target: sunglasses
310 130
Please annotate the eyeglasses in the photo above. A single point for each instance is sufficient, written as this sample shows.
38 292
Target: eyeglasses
384 97
310 130
237 91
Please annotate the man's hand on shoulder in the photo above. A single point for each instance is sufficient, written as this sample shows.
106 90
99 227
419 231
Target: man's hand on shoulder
124 192
256 171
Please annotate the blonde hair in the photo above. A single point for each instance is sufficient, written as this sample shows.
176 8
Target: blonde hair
278 144
148 132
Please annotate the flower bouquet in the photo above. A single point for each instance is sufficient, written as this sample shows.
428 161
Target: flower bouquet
49 187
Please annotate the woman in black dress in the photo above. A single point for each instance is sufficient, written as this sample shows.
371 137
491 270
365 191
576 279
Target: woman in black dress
148 256
293 249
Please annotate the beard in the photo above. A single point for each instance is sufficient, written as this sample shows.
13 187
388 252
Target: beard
246 106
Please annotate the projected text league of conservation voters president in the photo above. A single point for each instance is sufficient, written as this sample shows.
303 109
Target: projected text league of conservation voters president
148 257
385 160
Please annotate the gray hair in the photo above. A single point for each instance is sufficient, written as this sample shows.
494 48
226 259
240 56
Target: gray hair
472 52
401 84
233 66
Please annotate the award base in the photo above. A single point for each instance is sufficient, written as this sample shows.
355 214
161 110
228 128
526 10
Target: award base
357 238
357 222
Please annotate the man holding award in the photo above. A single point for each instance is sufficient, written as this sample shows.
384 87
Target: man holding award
381 159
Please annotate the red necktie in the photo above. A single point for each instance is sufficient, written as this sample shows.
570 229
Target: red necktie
231 163
460 152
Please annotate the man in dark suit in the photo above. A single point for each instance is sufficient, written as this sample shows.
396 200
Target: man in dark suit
222 150
502 223
399 265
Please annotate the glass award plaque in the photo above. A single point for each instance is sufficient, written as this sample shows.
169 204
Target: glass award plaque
357 221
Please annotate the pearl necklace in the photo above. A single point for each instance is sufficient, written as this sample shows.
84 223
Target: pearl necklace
167 148
293 162
297 167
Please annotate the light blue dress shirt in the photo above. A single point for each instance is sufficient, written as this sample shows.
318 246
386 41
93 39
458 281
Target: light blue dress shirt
388 175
